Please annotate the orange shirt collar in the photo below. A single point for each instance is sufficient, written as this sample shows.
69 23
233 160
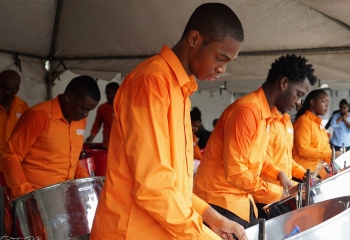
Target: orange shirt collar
56 111
189 83
285 118
266 112
313 117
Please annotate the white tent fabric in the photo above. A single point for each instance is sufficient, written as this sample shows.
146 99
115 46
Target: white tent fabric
102 38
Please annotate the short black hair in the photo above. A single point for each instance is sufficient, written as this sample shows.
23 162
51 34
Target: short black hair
214 22
313 95
343 102
113 85
293 67
83 86
196 114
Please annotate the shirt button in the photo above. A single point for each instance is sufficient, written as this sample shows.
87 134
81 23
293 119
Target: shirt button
189 174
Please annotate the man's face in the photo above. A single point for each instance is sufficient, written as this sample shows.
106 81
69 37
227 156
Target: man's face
195 125
110 94
292 95
344 108
209 61
78 108
8 88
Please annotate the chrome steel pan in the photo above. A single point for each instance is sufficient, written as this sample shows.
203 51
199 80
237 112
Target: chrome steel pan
331 187
60 211
326 220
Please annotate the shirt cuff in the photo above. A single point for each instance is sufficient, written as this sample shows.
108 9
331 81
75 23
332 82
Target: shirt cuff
299 173
273 172
199 205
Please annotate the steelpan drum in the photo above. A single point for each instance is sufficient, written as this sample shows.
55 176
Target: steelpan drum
61 211
343 160
322 221
329 188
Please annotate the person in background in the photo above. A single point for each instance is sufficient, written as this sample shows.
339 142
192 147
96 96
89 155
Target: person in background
11 106
148 187
46 142
333 113
104 116
311 142
214 122
228 177
340 123
202 134
279 151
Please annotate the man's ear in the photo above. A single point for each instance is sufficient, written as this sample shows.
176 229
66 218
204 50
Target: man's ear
284 84
68 97
194 38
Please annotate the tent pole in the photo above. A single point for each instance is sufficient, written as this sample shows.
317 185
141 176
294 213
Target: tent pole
49 81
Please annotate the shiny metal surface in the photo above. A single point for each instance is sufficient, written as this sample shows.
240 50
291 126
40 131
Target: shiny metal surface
331 187
57 212
343 160
326 220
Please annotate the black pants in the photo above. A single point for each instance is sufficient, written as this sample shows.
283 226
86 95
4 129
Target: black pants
230 215
261 212
337 148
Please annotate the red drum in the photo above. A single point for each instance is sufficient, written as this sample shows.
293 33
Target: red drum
100 159
89 165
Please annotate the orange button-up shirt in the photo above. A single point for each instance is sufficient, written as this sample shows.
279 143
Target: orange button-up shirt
229 173
280 149
104 116
9 120
311 142
43 149
148 187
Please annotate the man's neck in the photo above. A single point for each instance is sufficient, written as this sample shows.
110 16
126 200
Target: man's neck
6 103
61 102
269 94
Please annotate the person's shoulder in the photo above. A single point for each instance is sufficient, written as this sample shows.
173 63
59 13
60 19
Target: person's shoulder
20 101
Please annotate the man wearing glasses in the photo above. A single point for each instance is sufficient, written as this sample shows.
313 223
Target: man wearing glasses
11 106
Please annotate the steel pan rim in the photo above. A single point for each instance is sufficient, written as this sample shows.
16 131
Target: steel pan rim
279 201
53 186
318 226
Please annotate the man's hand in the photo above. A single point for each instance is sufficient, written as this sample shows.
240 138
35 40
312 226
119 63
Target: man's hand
222 226
337 154
90 139
284 182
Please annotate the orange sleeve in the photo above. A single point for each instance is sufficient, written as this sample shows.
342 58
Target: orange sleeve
302 142
98 121
240 130
150 158
196 150
80 172
28 128
297 170
199 205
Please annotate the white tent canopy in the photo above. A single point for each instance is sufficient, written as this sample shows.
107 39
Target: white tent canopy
102 38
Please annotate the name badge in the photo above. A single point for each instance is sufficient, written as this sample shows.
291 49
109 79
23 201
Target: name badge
268 128
18 115
80 132
290 130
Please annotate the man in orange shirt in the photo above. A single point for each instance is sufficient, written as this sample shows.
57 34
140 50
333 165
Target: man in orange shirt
104 116
229 174
148 187
11 106
45 144
279 150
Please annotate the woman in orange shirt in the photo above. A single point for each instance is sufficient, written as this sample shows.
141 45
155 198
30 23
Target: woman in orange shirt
311 142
